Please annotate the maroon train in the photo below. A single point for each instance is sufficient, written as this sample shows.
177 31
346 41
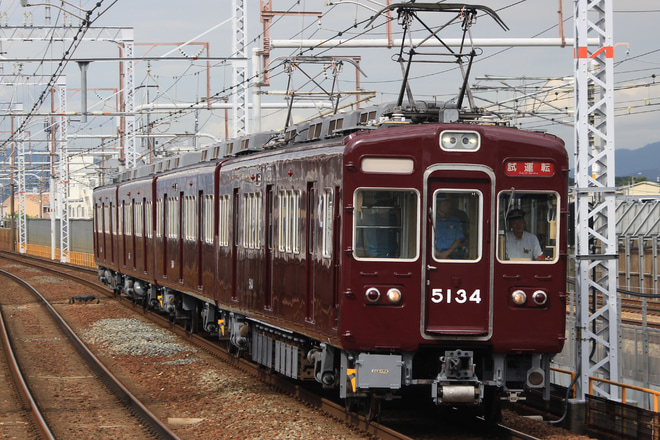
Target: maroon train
317 253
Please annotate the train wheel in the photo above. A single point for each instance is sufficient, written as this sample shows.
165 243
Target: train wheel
352 404
194 319
372 407
492 406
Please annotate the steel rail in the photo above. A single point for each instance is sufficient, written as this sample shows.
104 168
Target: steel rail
20 384
141 412
309 398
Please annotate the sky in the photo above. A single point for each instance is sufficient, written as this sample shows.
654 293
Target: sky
501 78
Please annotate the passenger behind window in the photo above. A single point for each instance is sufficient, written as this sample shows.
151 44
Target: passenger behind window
520 244
448 229
383 224
462 251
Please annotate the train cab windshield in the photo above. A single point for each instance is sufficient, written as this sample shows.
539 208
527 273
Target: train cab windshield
527 228
386 224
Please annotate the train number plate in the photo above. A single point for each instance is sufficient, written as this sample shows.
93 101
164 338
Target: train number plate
460 296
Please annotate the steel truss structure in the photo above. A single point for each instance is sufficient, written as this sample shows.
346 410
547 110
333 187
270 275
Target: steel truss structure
21 138
596 239
22 221
240 69
117 35
63 193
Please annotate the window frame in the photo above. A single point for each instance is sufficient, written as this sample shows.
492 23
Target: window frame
412 225
478 239
500 250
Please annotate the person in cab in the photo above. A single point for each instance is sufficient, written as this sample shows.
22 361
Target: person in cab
520 244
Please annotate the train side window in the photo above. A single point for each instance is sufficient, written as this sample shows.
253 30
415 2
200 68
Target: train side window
148 224
327 217
159 218
114 222
128 222
289 221
456 223
252 220
120 218
386 224
223 220
208 220
173 217
190 220
528 226
106 219
139 219
95 220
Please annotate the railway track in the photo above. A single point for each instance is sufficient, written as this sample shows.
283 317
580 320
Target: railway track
21 415
70 393
358 424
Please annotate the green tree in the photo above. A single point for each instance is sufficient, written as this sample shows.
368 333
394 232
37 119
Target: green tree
628 180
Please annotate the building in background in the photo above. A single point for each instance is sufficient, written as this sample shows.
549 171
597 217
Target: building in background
645 188
36 206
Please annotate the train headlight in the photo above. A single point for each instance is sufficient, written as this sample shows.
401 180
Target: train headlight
372 295
518 297
540 297
460 140
394 296
449 141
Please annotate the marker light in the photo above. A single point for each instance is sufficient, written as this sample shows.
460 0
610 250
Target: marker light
394 296
460 140
372 295
535 378
540 297
518 297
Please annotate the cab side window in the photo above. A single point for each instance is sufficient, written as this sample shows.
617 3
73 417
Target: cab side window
527 227
386 224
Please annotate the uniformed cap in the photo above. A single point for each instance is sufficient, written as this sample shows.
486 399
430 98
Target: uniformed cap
515 213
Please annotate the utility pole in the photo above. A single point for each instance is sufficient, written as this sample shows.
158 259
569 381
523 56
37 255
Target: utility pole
239 69
596 249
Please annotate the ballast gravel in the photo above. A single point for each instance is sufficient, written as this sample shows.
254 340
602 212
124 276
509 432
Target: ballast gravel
133 337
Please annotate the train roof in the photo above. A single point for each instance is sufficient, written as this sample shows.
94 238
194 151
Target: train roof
336 125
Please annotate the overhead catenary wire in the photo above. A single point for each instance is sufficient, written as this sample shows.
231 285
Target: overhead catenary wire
227 89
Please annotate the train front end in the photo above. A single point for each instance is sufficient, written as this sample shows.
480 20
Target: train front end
438 289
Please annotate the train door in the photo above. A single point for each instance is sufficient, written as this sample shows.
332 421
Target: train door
121 229
459 254
309 251
165 231
112 234
268 259
180 237
201 220
134 252
105 222
234 246
144 222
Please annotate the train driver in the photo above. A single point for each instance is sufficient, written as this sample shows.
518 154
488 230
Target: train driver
448 229
521 244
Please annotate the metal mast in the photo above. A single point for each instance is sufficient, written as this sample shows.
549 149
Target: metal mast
596 240
22 222
129 100
61 141
239 68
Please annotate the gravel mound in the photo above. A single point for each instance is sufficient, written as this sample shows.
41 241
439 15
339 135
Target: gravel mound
133 337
